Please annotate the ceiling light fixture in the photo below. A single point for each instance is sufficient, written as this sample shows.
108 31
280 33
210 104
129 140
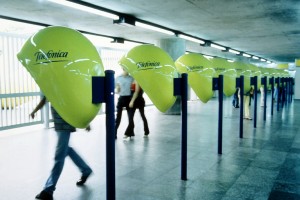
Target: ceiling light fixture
226 49
125 21
206 44
118 40
264 60
85 8
255 57
191 38
234 51
154 28
218 47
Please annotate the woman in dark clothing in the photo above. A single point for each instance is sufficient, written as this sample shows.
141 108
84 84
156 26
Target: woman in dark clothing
138 102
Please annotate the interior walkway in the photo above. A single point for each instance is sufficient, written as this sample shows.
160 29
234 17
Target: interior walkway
265 164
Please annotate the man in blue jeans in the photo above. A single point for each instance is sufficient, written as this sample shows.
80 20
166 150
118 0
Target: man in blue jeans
63 150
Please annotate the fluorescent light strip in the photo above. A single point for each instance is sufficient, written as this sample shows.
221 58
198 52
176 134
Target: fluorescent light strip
98 39
154 28
191 38
263 59
85 8
16 27
255 57
208 57
246 55
233 51
218 47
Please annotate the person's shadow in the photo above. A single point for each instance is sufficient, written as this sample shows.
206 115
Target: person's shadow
86 193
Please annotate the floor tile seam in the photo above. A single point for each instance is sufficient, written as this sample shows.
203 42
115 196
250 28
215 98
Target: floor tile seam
285 181
136 190
159 177
262 150
295 196
144 184
284 191
250 159
241 174
141 191
236 183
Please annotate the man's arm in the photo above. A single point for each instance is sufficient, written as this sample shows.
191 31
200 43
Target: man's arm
38 107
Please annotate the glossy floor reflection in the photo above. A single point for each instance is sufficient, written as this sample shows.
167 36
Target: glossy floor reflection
265 164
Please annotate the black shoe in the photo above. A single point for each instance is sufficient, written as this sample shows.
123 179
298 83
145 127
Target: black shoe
82 180
44 196
129 135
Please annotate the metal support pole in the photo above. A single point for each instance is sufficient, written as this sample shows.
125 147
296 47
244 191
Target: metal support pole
265 82
282 92
103 91
181 89
254 82
286 90
110 135
272 94
292 89
277 80
184 126
241 106
220 125
218 85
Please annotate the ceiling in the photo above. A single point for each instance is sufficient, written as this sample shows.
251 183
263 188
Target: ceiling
265 28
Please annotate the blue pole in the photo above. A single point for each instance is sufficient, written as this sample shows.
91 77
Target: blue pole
291 89
265 97
288 90
241 105
255 99
272 88
278 84
110 135
184 96
220 125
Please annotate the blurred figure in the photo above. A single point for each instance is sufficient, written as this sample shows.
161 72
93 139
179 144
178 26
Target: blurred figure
138 102
262 96
235 100
123 88
63 130
247 103
275 98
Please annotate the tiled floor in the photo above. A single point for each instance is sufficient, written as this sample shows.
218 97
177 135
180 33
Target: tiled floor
265 164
